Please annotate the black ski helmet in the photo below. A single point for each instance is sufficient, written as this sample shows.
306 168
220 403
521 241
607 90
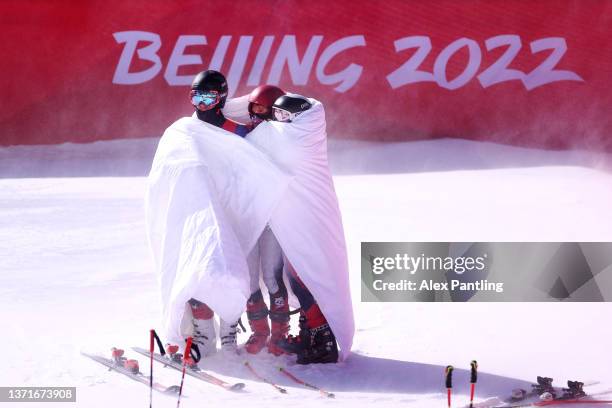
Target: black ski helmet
211 80
287 107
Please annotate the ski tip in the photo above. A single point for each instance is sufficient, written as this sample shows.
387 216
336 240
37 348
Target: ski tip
173 390
282 390
237 387
331 395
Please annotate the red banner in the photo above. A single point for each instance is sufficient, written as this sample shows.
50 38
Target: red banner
528 73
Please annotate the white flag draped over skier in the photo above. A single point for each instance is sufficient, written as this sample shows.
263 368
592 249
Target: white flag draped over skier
210 195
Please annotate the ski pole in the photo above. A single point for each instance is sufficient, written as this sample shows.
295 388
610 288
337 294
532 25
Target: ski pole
259 377
305 384
473 379
186 358
449 383
151 349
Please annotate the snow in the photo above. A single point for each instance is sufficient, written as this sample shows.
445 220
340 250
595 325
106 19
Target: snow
76 274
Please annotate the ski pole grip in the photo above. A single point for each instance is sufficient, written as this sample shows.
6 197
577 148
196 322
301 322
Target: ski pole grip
187 355
449 376
474 376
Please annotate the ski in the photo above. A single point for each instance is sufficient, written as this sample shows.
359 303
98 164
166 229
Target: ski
305 384
132 372
194 371
557 402
566 399
520 398
263 379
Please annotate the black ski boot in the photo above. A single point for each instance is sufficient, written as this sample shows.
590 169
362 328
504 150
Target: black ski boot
320 347
544 385
573 390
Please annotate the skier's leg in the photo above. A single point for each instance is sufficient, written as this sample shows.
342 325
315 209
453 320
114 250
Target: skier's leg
272 271
204 336
316 342
257 311
253 263
271 256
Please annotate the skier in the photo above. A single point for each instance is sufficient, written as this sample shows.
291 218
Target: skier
266 256
315 260
316 342
205 210
208 95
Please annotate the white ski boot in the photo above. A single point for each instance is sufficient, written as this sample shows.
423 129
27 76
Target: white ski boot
204 336
228 334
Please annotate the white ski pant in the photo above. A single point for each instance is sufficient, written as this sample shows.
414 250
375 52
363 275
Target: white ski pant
267 257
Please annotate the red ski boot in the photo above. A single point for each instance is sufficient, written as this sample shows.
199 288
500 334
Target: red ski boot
279 317
257 313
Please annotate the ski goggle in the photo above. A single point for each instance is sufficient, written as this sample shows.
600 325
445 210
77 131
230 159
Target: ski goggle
282 115
206 98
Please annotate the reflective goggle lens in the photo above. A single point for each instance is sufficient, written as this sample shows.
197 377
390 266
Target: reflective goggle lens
207 98
281 115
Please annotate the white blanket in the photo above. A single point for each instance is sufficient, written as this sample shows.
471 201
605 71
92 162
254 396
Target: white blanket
210 195
307 221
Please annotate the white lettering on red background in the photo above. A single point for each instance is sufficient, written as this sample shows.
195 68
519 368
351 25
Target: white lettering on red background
287 55
145 46
498 72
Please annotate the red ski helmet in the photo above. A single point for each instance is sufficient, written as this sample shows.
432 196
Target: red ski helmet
264 95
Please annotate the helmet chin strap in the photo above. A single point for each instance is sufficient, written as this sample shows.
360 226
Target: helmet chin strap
256 119
213 116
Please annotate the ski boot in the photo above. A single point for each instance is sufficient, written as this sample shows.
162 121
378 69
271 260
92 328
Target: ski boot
279 317
543 386
204 335
257 313
228 333
573 390
295 344
321 347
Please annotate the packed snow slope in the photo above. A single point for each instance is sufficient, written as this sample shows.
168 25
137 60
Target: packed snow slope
76 274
